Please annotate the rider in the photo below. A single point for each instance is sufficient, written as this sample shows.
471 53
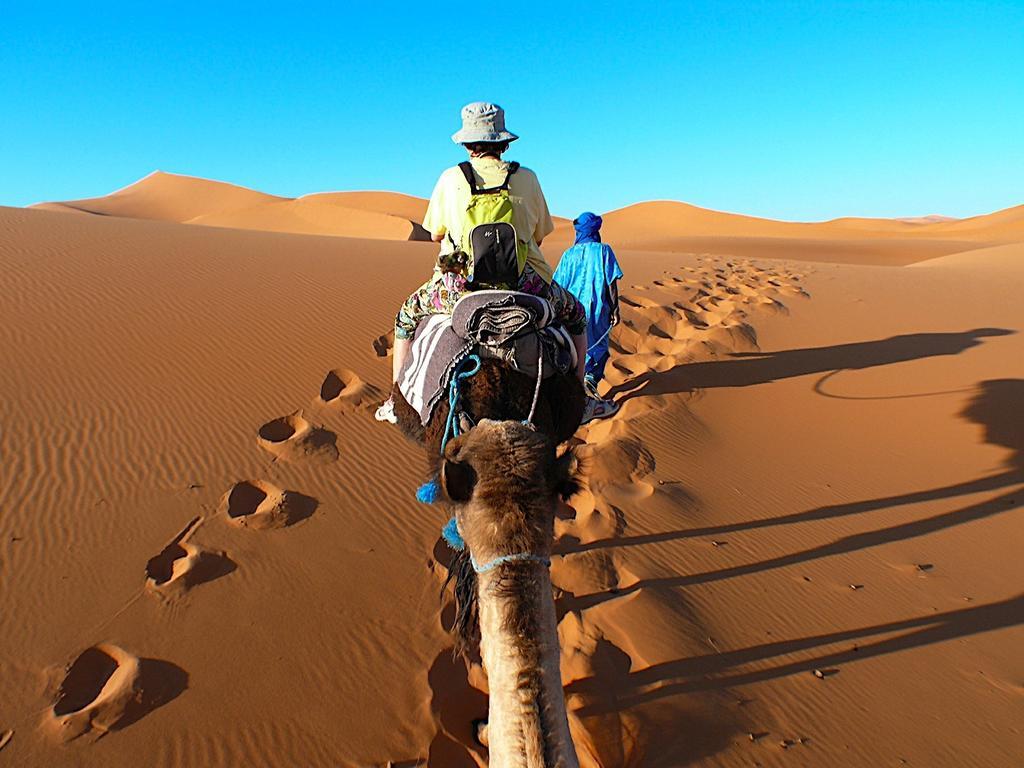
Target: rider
485 138
591 272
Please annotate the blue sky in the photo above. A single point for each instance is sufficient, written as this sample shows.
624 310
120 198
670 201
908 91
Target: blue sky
790 110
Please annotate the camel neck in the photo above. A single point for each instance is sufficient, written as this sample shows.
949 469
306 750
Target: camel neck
527 723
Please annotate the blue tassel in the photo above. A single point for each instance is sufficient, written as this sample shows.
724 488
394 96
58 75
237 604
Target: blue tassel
450 533
428 492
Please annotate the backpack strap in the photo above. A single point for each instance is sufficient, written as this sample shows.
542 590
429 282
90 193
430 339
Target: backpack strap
467 171
512 168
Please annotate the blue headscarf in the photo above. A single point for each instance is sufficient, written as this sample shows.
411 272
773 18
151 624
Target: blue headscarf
588 228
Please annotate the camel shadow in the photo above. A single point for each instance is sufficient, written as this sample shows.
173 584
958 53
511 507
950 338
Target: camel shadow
670 733
717 671
990 483
457 707
745 369
997 405
847 544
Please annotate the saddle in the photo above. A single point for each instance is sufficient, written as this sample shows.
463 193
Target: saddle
517 328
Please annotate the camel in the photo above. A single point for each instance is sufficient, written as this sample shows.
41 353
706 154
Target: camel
504 478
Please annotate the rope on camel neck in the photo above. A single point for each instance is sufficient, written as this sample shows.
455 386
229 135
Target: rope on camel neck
517 557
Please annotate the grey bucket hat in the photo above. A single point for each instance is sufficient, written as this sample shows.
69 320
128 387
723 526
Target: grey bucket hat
482 121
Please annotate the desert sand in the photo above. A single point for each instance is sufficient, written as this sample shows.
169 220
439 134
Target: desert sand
798 543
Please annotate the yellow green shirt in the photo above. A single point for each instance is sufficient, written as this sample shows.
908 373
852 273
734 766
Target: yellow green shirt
530 215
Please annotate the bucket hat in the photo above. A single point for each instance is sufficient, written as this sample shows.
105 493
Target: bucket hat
482 121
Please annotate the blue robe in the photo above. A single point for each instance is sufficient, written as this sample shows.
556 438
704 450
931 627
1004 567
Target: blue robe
587 270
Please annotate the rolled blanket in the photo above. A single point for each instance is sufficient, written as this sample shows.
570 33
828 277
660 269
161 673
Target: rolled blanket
495 318
506 325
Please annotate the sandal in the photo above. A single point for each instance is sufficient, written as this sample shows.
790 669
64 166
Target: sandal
598 409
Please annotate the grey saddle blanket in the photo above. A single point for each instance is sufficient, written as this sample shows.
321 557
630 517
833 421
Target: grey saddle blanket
515 327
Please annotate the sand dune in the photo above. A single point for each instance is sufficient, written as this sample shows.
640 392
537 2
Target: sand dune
682 228
1008 258
802 523
666 226
316 216
929 219
191 200
1007 224
390 203
169 197
651 220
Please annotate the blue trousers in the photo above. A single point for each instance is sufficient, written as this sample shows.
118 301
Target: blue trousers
597 354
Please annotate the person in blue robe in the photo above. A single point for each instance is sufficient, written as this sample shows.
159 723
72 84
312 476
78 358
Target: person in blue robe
589 270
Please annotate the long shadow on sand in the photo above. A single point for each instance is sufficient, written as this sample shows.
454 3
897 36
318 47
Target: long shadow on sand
745 369
998 405
714 671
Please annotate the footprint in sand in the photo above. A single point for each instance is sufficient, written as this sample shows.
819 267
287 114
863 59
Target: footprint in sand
261 505
344 389
618 467
691 318
585 573
383 344
107 688
182 565
294 438
637 302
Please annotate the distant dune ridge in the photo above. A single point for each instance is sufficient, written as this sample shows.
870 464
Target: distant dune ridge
655 226
805 517
191 200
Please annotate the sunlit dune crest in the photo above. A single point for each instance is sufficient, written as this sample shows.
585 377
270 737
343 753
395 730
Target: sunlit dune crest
191 200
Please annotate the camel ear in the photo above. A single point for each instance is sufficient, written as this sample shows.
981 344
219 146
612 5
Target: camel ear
565 476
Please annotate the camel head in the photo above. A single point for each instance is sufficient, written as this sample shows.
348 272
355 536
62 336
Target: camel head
505 480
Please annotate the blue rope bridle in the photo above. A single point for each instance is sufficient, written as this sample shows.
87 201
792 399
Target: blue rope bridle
428 492
517 557
451 427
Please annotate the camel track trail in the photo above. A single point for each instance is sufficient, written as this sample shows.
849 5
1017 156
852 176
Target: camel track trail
697 313
106 688
611 625
225 544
